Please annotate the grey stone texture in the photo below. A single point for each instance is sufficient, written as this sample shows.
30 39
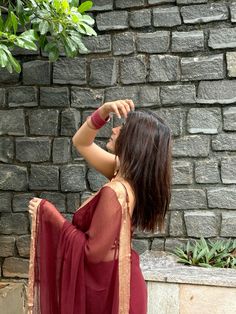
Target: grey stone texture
228 170
206 121
17 223
7 77
221 197
57 199
177 225
70 71
222 38
7 246
86 97
73 201
13 177
122 92
164 68
233 12
43 122
61 150
172 243
12 122
156 42
178 94
229 118
184 199
36 72
2 97
6 149
224 142
103 72
23 96
160 1
123 43
207 171
140 18
202 68
112 20
149 96
102 5
231 63
99 44
140 245
23 245
5 205
33 149
166 17
44 177
72 178
133 70
191 146
54 97
204 13
228 224
191 1
70 121
187 41
199 223
217 92
182 172
15 267
96 180
121 4
174 118
20 201
157 244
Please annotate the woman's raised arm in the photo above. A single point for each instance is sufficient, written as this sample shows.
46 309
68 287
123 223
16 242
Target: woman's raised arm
83 140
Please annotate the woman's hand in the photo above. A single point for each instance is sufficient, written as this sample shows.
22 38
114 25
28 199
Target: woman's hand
33 205
119 107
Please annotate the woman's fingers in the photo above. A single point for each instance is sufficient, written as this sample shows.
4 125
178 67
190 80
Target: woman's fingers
130 103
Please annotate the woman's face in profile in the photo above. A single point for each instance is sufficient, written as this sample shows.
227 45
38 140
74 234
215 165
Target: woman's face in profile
112 141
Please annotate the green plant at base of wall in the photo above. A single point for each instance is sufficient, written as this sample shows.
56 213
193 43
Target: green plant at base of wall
53 25
206 253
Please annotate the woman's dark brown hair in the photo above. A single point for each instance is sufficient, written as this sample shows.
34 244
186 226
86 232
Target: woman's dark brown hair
144 150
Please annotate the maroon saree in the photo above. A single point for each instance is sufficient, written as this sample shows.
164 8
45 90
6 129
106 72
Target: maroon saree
87 266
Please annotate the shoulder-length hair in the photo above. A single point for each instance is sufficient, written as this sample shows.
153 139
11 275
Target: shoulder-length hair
144 150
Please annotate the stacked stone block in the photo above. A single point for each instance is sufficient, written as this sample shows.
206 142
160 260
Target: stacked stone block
175 57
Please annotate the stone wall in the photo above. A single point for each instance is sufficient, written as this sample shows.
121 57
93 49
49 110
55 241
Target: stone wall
177 58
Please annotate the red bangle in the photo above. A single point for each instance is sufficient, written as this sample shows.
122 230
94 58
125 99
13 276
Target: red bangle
97 120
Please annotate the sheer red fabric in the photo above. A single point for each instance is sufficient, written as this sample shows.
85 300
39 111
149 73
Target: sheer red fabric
74 267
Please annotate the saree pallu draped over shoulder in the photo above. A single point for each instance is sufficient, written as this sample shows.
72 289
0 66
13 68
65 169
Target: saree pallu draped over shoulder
83 267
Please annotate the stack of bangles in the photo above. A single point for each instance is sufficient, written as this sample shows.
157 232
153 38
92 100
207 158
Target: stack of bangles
96 120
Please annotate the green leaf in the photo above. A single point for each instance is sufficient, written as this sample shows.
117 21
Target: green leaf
85 6
15 64
3 58
43 27
89 30
1 22
74 3
53 55
14 22
57 5
87 19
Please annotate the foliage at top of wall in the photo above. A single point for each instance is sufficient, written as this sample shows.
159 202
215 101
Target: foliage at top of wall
52 25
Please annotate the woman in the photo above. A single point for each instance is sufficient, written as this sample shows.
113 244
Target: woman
89 267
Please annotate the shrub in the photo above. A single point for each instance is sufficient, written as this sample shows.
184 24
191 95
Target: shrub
52 25
208 254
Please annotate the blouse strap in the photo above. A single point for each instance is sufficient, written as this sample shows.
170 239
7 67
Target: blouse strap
127 195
